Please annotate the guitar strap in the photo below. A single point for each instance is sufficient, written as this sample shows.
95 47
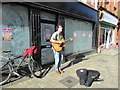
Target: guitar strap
56 38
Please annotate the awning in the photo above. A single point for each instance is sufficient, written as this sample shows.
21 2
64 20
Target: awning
74 9
107 17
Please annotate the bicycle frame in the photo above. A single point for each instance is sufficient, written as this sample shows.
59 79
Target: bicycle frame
10 62
13 69
5 62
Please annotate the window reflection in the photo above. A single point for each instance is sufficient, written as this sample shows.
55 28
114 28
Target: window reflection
46 32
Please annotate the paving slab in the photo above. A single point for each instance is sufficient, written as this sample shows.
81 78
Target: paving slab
105 62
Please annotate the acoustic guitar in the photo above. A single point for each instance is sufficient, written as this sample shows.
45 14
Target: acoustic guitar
59 46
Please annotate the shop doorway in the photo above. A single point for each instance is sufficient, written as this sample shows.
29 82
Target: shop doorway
105 37
48 23
43 26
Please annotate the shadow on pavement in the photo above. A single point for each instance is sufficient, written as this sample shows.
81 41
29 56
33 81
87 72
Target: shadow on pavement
78 58
24 71
45 70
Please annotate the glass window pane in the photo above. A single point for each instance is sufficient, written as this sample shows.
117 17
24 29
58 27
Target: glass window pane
46 32
47 16
15 20
102 36
15 29
83 41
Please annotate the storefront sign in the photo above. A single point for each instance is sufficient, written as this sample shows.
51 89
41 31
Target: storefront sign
109 18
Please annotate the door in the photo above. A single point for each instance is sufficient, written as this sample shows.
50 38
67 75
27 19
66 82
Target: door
48 23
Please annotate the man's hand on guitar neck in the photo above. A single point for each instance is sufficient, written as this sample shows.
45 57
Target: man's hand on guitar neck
73 37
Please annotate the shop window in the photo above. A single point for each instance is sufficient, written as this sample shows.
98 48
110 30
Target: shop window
83 41
47 16
46 32
102 36
110 41
15 28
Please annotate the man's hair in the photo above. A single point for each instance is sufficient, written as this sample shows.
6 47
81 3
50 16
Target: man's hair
58 26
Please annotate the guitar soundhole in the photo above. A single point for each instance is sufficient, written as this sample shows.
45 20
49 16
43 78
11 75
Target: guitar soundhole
61 45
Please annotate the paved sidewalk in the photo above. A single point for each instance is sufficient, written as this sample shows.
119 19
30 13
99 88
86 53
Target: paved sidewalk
105 62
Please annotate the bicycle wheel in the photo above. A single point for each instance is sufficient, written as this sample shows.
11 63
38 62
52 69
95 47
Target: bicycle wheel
35 68
5 73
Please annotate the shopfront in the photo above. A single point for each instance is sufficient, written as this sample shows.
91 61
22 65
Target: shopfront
107 30
35 22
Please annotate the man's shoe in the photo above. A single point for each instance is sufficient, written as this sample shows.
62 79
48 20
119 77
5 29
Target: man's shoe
58 72
61 71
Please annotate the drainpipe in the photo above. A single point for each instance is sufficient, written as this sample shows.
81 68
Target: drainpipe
99 50
99 25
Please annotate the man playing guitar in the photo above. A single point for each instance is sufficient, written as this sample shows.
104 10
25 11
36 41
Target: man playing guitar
57 46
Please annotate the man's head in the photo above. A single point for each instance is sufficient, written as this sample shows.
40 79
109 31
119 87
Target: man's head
59 28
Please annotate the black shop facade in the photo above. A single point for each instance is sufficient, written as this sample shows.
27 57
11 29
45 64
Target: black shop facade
31 22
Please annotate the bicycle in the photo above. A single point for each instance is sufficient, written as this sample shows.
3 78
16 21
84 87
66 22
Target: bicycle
7 67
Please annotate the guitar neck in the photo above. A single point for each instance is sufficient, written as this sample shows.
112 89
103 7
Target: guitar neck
70 39
67 40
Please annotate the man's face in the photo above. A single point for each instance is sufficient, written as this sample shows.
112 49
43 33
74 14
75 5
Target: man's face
60 29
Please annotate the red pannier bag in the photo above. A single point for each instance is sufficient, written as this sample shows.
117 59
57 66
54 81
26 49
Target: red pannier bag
29 50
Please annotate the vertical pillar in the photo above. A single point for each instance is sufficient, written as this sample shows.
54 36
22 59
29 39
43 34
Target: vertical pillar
99 25
118 37
115 38
99 37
